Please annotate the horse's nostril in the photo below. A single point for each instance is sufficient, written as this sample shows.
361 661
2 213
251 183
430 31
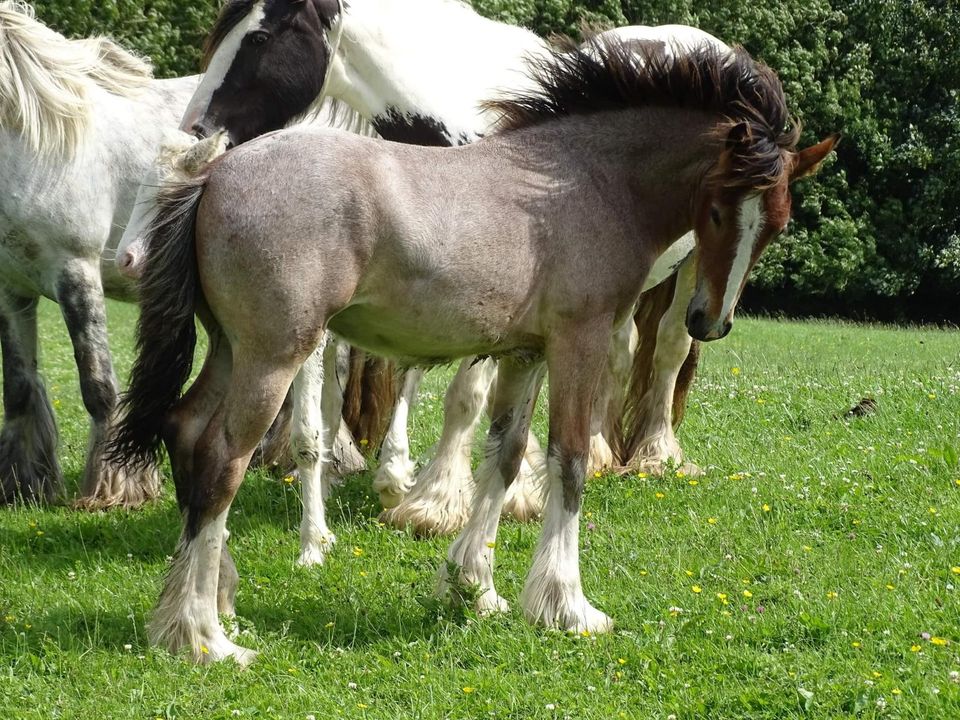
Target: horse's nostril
727 327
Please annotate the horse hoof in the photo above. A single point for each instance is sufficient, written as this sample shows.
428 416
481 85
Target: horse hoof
313 554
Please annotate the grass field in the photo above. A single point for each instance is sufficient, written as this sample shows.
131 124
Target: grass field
813 572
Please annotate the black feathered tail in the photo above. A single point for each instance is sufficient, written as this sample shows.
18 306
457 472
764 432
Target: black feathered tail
166 331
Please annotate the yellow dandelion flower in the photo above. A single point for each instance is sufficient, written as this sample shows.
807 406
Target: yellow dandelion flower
289 479
329 625
693 483
697 589
644 572
585 633
622 661
659 496
955 569
735 370
597 474
897 691
357 551
680 474
932 511
363 573
721 596
761 401
362 706
39 533
204 649
807 548
712 521
491 545
644 476
855 644
364 442
688 573
831 595
876 674
890 587
932 396
747 594
766 508
939 641
468 689
914 648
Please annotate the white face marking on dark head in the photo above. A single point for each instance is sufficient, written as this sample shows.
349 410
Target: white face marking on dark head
220 65
750 222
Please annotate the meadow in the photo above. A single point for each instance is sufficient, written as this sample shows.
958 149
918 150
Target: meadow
812 572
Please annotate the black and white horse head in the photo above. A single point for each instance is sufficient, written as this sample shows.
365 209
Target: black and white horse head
266 63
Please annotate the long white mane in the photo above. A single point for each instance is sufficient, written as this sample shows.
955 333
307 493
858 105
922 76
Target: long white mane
45 80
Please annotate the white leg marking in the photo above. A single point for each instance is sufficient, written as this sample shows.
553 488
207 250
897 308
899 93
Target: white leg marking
471 554
438 503
315 408
395 476
659 445
186 614
553 595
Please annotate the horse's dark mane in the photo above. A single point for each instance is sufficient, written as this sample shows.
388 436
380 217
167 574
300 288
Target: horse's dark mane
232 13
612 74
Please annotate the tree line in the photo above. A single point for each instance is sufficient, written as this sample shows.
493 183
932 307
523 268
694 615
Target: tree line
876 234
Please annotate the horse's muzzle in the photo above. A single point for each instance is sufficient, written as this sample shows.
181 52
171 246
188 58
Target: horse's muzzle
702 328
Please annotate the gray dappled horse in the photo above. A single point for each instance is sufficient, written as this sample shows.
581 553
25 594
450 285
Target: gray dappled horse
531 245
80 121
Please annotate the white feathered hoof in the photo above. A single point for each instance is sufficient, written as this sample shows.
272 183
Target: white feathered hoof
394 480
423 517
314 551
554 603
525 496
601 455
107 486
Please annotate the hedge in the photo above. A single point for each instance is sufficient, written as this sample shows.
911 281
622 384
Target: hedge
877 233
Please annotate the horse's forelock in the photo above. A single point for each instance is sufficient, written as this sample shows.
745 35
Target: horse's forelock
230 16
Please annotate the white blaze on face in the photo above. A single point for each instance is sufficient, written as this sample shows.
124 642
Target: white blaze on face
220 65
750 222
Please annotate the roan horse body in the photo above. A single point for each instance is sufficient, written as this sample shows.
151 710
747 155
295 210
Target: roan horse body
531 245
387 61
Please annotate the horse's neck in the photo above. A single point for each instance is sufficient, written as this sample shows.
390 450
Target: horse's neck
422 67
650 162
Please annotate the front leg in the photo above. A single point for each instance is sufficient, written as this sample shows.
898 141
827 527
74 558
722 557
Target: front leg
655 447
318 400
439 502
395 476
553 594
105 483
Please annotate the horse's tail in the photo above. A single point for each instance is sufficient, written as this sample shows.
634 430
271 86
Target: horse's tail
651 308
166 330
369 397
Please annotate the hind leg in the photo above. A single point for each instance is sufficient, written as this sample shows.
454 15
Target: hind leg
186 614
469 566
183 428
29 470
438 503
658 446
105 483
318 400
553 594
395 476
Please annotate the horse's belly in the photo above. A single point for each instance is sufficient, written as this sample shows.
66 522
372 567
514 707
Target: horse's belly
426 335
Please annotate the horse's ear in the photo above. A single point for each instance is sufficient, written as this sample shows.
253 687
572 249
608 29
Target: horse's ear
328 10
194 159
808 161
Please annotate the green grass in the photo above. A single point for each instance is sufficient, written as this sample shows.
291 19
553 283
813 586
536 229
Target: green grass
831 541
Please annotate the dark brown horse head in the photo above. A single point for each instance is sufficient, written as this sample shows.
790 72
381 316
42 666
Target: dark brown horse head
266 62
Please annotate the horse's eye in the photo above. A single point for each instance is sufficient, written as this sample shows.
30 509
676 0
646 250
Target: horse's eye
259 37
715 215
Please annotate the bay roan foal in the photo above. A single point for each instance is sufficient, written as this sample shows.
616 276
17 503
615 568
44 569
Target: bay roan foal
531 245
